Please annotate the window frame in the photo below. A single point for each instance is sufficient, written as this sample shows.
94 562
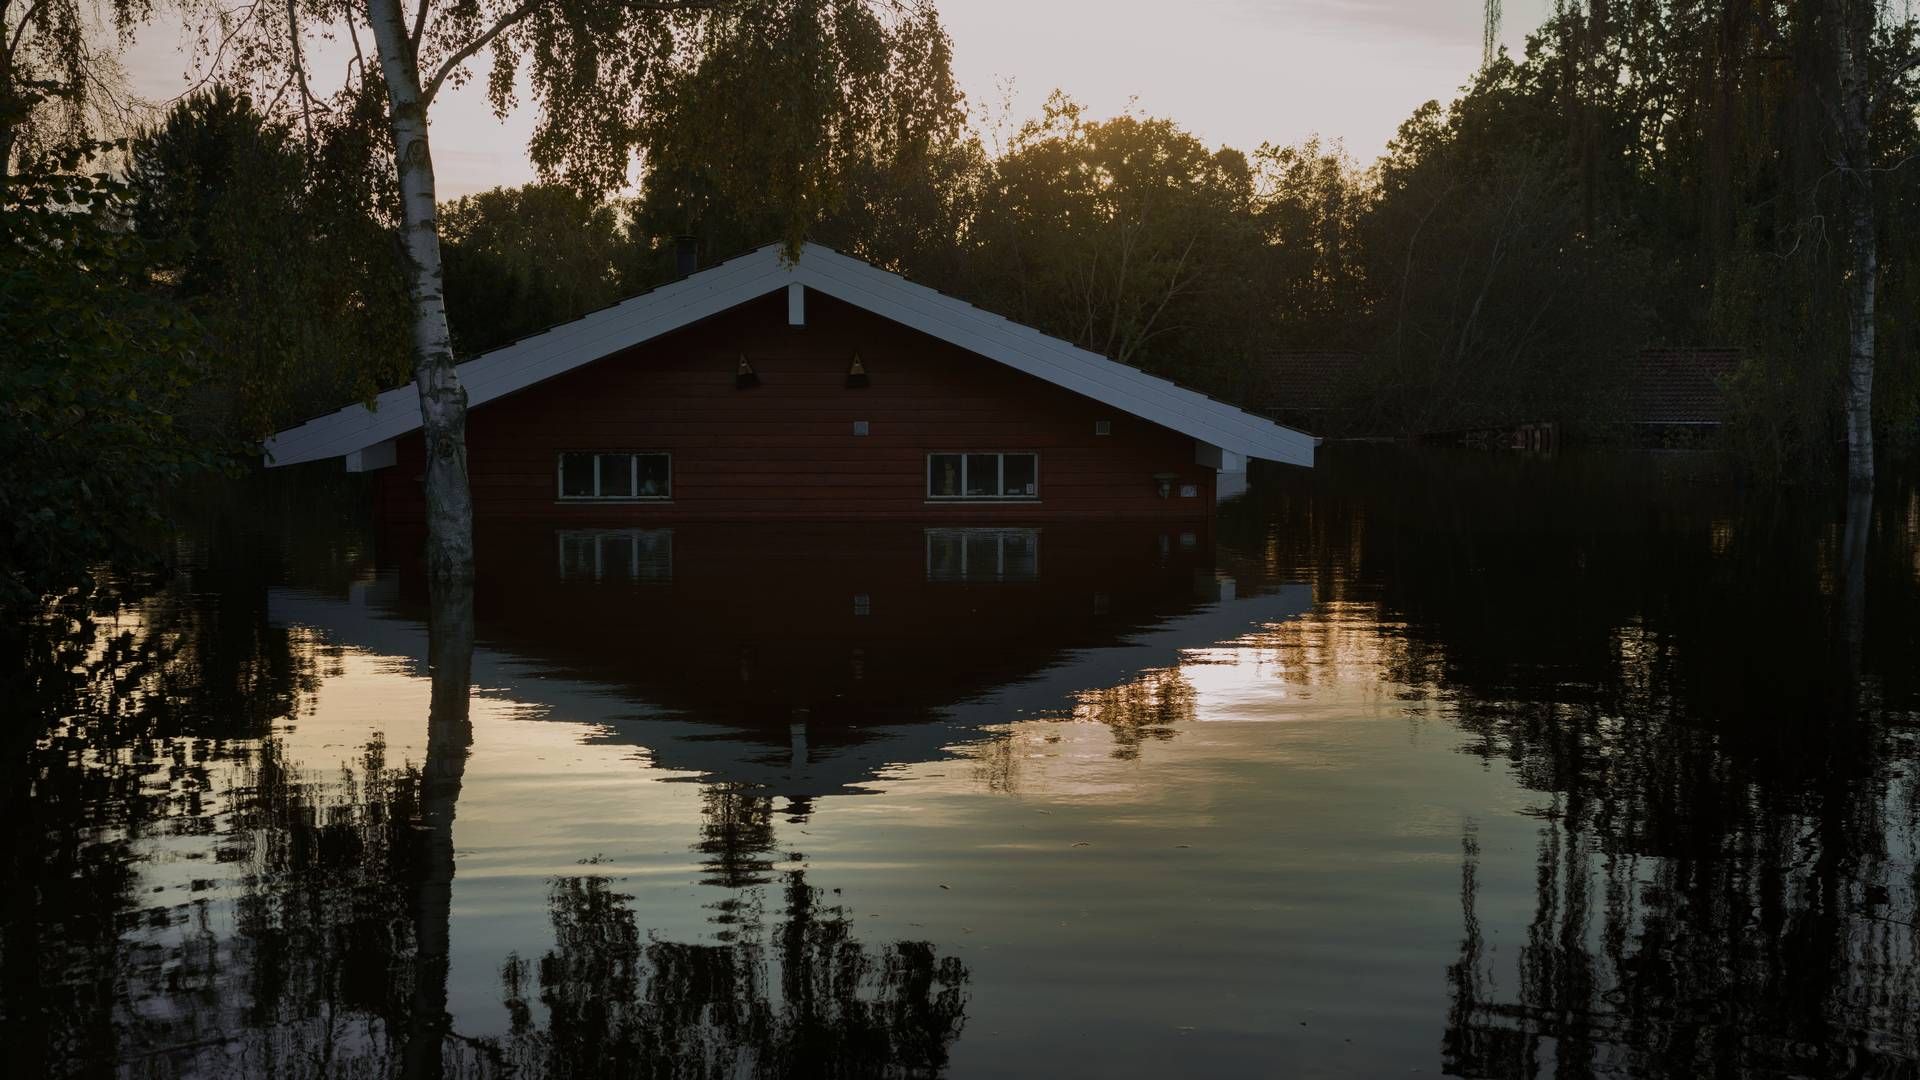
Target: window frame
968 575
633 477
656 541
1000 477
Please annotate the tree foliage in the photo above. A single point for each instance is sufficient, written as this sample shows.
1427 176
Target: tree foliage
1696 162
60 82
519 260
289 269
813 119
95 429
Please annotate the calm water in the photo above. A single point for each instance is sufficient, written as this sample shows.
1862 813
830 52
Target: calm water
1424 764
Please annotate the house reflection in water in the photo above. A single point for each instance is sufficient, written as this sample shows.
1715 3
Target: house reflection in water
777 669
618 554
983 554
819 654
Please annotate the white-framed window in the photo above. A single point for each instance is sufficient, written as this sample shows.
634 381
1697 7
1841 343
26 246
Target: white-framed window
995 476
625 475
616 554
983 554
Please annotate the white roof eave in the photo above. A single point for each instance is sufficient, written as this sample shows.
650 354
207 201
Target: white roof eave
758 273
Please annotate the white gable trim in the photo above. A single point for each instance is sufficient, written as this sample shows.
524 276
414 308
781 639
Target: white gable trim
758 273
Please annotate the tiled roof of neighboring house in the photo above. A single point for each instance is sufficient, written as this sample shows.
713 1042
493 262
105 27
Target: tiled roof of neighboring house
1680 386
1308 382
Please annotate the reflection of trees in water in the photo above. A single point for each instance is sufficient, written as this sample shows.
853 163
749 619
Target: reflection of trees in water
1715 895
122 730
303 917
619 1003
736 834
1782 944
1143 708
1715 694
1147 708
1730 852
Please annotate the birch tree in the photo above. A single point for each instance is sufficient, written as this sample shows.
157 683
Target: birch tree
597 70
60 82
1853 37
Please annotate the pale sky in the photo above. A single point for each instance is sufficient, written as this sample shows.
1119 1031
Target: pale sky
1234 72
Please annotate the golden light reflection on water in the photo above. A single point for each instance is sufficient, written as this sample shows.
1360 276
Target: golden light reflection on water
1530 796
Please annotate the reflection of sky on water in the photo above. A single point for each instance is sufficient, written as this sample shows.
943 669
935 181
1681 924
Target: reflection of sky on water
1357 793
1262 862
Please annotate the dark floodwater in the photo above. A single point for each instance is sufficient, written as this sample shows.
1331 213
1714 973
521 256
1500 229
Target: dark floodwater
1424 764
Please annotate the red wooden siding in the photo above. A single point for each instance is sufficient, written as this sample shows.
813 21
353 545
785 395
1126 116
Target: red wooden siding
761 620
785 449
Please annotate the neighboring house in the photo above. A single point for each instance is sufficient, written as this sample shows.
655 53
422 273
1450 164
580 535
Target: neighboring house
817 389
1679 390
1309 387
1668 394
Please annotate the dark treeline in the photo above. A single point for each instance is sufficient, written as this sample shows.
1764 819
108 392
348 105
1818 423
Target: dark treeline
1644 174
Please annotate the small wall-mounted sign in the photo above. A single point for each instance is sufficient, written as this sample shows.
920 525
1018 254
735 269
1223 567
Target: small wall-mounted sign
1189 491
1103 427
862 604
860 427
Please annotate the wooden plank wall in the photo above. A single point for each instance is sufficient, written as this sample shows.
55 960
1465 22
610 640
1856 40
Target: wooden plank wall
786 449
756 618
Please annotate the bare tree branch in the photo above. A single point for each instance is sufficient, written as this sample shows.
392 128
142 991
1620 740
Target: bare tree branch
466 52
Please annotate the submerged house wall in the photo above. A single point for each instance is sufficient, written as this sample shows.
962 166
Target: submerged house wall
802 444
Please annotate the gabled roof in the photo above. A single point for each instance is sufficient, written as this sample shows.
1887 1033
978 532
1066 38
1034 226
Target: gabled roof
1309 381
1680 386
758 273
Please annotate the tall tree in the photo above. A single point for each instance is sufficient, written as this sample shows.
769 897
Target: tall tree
96 374
1853 34
289 271
58 76
1115 234
522 259
598 70
873 143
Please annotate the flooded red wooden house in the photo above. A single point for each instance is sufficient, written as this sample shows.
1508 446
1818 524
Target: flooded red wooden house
818 388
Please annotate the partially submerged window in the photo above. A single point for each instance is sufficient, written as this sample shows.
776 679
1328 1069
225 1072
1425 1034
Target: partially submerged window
616 554
983 555
997 476
619 475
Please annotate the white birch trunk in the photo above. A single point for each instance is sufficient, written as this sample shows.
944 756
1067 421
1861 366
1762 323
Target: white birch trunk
1863 271
443 401
449 739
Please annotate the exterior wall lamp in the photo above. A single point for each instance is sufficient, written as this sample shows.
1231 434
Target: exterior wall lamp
1163 483
744 376
856 373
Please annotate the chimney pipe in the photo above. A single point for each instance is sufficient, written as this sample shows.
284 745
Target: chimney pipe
686 255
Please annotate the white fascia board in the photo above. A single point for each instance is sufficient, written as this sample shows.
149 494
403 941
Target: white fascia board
1022 348
757 273
380 455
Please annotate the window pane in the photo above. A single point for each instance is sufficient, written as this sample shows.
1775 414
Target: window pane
1021 472
616 476
656 476
576 474
983 555
983 474
616 551
577 555
944 555
943 475
655 554
1019 553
